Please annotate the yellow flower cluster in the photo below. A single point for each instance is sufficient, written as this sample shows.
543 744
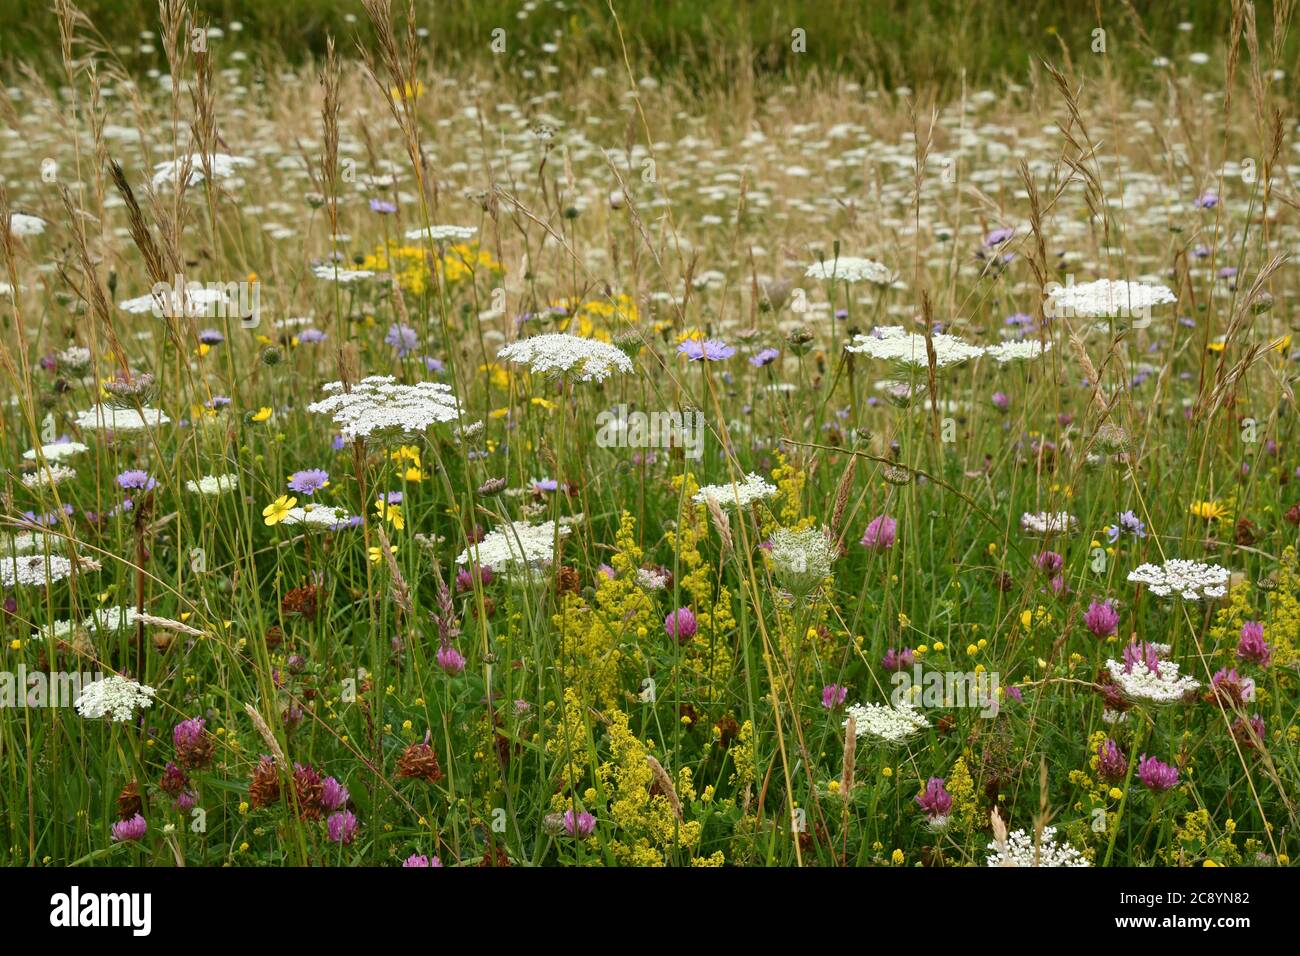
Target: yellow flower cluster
410 264
599 318
708 656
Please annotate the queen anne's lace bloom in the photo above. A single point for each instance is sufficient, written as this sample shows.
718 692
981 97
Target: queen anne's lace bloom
335 273
850 269
213 484
1020 851
115 697
23 225
1192 580
49 475
1107 297
1006 352
560 353
893 343
56 451
221 165
891 724
112 419
753 488
35 570
319 517
1159 685
1048 522
442 233
379 405
519 547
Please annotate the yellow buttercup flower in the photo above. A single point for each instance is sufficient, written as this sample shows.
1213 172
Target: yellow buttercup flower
390 513
275 512
376 554
1209 510
262 414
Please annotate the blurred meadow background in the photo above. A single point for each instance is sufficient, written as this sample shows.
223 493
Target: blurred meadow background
643 434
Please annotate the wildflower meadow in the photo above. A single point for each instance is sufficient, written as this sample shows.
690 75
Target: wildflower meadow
561 452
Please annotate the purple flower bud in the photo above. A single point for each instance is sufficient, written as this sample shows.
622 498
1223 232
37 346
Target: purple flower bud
880 534
680 625
833 695
1251 647
342 827
1101 618
935 800
1157 776
580 826
131 829
1111 762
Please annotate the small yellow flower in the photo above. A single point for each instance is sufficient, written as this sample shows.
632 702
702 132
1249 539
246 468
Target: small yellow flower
16 645
262 414
897 858
391 513
1209 510
376 554
276 511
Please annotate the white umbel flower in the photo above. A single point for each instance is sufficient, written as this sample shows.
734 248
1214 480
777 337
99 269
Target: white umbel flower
1191 580
318 517
51 474
1107 297
332 272
442 233
1164 685
223 166
520 547
115 697
801 560
57 451
889 724
213 484
892 343
1020 851
36 570
111 419
1048 522
742 493
850 269
22 225
558 353
1006 352
379 405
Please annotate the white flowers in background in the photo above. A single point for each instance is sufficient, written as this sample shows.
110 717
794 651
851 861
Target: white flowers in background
1019 850
213 484
801 560
1006 352
651 580
222 166
1107 297
520 547
197 300
1192 580
850 269
28 541
115 697
34 570
378 405
23 225
556 353
743 493
56 451
49 475
887 723
1048 522
332 272
109 418
112 619
442 233
893 343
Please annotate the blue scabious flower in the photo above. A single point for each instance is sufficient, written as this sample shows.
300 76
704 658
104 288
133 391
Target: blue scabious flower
309 481
708 350
136 480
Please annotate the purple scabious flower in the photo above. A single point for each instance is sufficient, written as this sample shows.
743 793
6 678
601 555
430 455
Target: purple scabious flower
1207 200
1101 618
998 236
419 859
1111 762
136 480
898 660
403 338
211 337
1127 521
383 207
765 357
308 481
1252 647
833 695
133 828
709 350
333 795
342 827
311 336
1001 401
680 625
935 800
880 534
1156 776
580 826
545 484
450 660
